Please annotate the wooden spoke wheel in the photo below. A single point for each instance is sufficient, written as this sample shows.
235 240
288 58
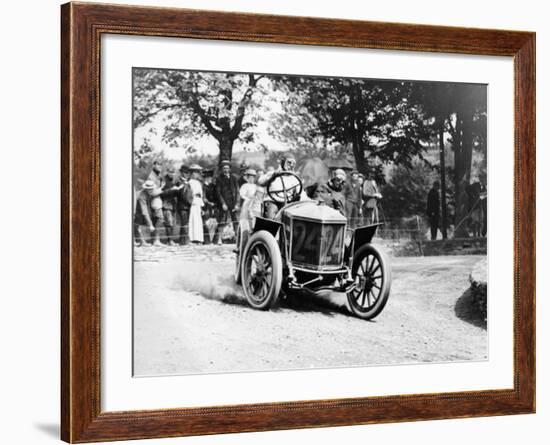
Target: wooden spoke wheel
262 271
372 275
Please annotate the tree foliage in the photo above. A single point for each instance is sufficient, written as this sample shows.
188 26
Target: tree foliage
385 125
191 105
375 120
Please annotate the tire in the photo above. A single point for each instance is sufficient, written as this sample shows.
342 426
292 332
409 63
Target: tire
262 270
372 275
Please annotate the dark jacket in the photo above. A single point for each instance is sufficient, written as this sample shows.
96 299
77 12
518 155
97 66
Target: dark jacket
168 195
184 196
227 191
474 195
209 197
432 207
241 180
354 198
327 194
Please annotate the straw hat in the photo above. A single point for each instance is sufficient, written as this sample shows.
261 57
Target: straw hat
195 168
148 185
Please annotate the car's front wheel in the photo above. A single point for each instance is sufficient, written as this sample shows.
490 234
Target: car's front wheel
262 270
372 275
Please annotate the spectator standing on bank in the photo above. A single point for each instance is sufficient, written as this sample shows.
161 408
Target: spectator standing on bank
475 209
247 193
361 181
433 209
371 196
148 213
184 199
209 209
483 202
354 200
242 174
169 205
227 194
155 175
196 233
142 215
157 214
156 202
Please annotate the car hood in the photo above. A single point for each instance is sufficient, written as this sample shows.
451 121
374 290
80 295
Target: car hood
314 211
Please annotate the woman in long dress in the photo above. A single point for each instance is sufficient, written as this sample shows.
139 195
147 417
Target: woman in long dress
247 192
196 234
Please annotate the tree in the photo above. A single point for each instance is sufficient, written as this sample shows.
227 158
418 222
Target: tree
406 190
436 99
374 118
467 125
225 106
457 110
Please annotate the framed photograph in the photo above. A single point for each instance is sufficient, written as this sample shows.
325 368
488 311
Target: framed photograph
274 222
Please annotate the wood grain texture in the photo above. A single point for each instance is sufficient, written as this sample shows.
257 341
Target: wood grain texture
81 28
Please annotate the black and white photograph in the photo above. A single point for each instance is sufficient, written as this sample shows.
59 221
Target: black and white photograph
287 222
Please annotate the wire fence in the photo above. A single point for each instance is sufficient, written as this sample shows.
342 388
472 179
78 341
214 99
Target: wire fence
414 228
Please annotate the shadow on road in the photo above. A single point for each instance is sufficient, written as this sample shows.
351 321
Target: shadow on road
298 302
467 311
305 302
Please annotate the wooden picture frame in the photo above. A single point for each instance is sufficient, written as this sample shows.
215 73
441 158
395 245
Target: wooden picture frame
82 26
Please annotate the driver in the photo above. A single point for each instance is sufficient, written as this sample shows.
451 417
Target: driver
287 163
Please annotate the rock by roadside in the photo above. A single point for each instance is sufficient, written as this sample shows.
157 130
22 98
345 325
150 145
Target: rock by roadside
478 287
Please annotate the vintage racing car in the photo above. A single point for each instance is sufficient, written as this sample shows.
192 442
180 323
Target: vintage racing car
308 247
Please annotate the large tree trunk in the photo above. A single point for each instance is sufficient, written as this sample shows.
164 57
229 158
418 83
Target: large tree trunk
226 148
357 130
359 152
463 165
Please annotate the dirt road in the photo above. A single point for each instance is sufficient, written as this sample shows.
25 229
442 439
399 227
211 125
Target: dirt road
189 317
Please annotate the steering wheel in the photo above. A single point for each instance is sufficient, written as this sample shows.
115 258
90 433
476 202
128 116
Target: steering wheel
284 191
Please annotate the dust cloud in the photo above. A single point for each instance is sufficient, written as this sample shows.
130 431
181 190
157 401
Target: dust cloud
212 284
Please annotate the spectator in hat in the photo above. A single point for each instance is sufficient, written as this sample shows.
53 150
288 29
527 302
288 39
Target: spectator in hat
354 199
250 207
242 171
361 181
156 200
227 194
196 233
155 174
433 209
169 204
335 186
144 214
371 197
209 209
184 199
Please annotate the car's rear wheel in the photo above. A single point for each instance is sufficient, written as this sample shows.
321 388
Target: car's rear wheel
261 270
372 275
